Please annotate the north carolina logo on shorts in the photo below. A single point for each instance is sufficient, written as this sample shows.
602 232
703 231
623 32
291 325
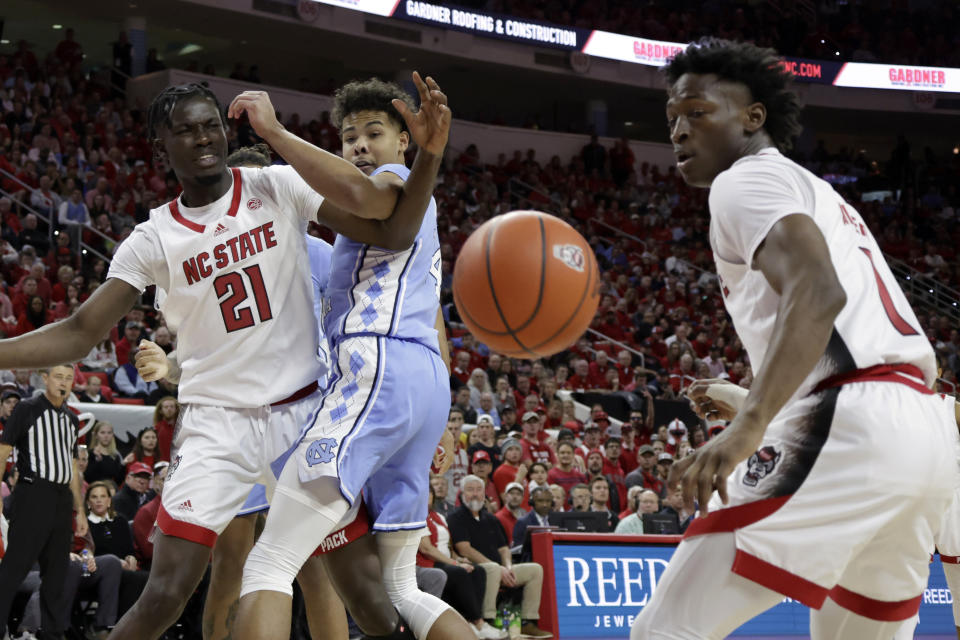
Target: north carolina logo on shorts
321 451
571 255
761 465
254 203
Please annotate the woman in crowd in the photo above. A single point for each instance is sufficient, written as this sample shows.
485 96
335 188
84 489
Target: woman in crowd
33 317
164 420
113 536
103 357
537 476
105 462
465 583
477 384
144 449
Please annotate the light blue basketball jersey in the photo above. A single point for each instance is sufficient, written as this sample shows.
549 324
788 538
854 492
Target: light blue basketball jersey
320 253
376 292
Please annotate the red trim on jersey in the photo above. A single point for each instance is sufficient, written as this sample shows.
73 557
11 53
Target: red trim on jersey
237 193
299 395
344 536
949 559
881 610
780 580
232 211
189 224
878 373
732 518
185 530
898 321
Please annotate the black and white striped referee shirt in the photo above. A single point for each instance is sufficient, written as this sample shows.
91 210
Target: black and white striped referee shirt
45 439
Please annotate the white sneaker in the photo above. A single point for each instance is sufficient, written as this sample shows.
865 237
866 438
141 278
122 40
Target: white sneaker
488 632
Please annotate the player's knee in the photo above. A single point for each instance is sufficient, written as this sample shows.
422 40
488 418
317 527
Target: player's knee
166 598
268 568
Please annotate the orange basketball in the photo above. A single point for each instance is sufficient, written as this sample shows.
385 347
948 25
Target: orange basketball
526 284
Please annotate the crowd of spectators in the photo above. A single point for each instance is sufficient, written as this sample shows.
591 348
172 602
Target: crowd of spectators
77 156
897 32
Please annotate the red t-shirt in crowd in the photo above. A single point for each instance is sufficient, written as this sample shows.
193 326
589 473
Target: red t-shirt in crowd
566 479
142 528
538 452
507 519
164 439
504 475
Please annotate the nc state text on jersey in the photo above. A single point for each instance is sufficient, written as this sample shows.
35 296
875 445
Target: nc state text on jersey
240 247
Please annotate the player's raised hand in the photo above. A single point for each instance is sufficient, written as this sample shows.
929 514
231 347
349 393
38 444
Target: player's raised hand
151 361
430 125
259 110
707 469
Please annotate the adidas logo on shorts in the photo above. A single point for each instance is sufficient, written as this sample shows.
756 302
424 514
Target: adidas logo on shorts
220 229
185 506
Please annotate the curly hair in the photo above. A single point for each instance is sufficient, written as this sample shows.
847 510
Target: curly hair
166 101
257 155
758 68
369 95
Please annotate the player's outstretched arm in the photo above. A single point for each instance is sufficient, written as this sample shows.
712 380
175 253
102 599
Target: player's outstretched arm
71 339
795 260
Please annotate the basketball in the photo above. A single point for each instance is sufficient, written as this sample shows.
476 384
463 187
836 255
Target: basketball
526 284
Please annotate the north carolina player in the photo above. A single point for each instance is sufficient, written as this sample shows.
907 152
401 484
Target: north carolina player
386 406
230 255
804 505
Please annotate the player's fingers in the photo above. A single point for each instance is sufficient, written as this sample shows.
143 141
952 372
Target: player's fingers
688 482
705 483
421 88
679 468
724 469
698 390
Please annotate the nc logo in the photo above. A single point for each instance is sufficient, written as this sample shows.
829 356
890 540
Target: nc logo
321 451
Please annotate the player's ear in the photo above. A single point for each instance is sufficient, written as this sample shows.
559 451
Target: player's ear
754 117
404 138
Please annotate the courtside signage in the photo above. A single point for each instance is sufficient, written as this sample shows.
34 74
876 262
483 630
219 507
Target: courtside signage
600 589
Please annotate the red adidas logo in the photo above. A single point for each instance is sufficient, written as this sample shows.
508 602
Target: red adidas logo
185 506
220 229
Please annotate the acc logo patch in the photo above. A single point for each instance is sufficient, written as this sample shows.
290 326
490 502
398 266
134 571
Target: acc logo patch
571 255
254 203
760 465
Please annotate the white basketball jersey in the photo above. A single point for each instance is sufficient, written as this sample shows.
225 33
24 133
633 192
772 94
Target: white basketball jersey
877 325
233 282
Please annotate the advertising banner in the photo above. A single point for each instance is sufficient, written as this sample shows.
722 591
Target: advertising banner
616 46
600 588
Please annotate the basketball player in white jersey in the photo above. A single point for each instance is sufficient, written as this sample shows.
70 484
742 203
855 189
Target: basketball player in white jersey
795 494
720 399
229 261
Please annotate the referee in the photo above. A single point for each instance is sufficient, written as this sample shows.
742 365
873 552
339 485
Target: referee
44 433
